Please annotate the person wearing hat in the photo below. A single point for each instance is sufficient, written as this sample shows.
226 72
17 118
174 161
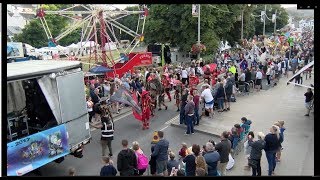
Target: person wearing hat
106 125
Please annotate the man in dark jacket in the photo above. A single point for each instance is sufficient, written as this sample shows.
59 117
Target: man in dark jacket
127 160
256 153
223 148
161 153
183 103
212 158
189 114
228 89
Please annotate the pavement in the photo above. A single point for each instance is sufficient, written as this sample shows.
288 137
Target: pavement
263 108
282 102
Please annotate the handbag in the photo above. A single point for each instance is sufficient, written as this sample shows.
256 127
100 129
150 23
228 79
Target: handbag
253 163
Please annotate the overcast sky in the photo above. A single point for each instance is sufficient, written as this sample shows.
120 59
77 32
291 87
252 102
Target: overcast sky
122 6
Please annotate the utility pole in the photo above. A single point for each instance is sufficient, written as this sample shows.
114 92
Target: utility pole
264 19
275 22
198 57
242 24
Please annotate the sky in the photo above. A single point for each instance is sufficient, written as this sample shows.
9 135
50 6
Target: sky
288 5
122 6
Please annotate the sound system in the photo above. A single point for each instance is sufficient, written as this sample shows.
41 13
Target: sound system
17 127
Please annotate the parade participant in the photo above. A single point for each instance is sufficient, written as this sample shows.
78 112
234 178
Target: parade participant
166 84
161 99
107 127
176 96
145 106
153 101
184 76
207 73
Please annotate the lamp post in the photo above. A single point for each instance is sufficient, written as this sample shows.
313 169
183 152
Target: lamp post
264 19
242 21
242 24
275 22
198 56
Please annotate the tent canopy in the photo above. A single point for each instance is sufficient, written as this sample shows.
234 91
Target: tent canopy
100 70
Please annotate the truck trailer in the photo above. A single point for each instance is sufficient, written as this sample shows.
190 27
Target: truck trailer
47 118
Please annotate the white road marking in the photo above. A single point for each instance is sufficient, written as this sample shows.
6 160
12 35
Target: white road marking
172 119
164 128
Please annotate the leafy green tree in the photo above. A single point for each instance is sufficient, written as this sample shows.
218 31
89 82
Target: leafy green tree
34 33
282 18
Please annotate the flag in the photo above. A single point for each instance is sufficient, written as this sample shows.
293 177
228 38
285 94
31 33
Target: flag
122 95
135 113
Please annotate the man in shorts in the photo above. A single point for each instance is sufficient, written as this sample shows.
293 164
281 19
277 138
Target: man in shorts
258 79
208 99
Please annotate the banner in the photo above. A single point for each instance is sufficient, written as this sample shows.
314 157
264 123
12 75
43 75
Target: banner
136 114
195 10
31 152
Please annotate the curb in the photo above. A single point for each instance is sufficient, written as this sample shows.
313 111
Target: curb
197 130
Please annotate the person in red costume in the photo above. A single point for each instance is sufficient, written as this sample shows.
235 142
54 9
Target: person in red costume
214 77
166 85
146 111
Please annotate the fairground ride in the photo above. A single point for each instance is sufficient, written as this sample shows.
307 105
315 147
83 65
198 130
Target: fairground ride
94 19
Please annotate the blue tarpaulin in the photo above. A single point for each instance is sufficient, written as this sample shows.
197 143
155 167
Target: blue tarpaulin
100 70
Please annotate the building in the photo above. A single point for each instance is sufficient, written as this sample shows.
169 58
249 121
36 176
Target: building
306 23
18 16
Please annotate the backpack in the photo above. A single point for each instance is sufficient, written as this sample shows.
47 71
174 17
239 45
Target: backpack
142 161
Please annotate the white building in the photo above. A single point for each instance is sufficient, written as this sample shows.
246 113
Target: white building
306 23
18 16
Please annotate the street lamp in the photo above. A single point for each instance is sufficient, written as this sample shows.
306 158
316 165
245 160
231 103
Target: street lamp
242 21
198 56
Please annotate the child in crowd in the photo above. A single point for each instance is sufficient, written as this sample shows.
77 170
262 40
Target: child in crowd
245 124
183 151
108 169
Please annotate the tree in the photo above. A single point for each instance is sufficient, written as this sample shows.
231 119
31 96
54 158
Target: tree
34 33
282 18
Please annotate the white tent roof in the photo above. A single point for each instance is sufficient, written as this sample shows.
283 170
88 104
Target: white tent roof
73 45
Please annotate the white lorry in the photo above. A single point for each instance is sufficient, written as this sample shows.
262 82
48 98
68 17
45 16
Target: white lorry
46 113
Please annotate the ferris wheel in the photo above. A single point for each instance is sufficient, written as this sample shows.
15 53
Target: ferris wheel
94 20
